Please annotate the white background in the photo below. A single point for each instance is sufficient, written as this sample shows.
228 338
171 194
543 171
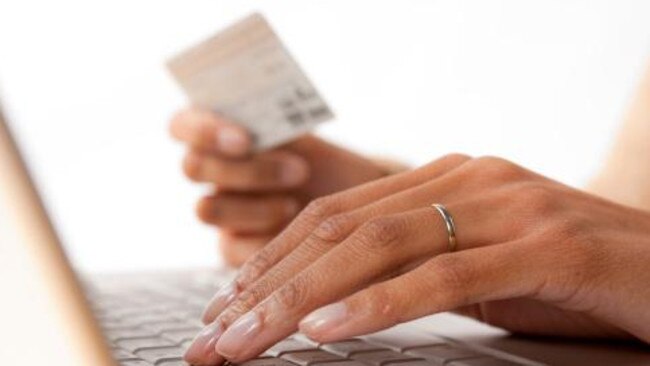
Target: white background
544 83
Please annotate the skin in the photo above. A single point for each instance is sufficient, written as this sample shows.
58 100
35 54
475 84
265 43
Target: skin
561 262
628 160
257 194
534 256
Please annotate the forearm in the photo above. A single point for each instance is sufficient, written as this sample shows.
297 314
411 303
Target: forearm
625 176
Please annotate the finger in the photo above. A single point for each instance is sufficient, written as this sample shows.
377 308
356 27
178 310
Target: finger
335 229
274 170
264 272
323 209
248 214
205 130
202 350
335 169
377 248
236 249
443 283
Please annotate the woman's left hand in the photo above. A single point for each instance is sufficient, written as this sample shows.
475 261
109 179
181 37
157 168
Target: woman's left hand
533 256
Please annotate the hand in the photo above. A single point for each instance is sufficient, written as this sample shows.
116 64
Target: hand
534 256
257 194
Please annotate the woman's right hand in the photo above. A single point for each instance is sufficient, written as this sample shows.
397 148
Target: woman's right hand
257 194
532 256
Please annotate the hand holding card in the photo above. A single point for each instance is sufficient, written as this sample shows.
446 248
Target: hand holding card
247 75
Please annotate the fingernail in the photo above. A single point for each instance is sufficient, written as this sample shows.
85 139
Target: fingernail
324 319
293 171
202 350
224 297
232 141
239 335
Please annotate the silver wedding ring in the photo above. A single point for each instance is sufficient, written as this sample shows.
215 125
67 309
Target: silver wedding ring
449 223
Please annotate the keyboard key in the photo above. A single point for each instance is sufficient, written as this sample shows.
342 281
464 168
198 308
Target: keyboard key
443 353
120 354
179 336
347 348
485 361
142 343
380 358
138 319
414 363
172 363
116 335
112 326
400 338
171 325
189 314
307 358
106 317
304 339
161 353
288 345
119 313
343 363
267 362
135 363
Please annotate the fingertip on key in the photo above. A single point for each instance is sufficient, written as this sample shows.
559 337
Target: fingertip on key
202 351
224 297
240 336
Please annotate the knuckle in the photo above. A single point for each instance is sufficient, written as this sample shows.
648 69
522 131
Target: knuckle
256 294
334 229
537 198
255 267
455 158
497 169
450 160
320 209
234 311
381 233
293 295
246 301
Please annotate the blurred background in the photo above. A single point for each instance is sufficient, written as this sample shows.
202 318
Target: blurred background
544 83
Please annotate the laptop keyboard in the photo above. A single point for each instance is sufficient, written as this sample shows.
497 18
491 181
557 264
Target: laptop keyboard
152 321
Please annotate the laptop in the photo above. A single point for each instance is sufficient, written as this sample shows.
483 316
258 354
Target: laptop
49 314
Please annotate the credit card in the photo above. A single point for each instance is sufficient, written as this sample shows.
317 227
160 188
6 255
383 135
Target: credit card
246 74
